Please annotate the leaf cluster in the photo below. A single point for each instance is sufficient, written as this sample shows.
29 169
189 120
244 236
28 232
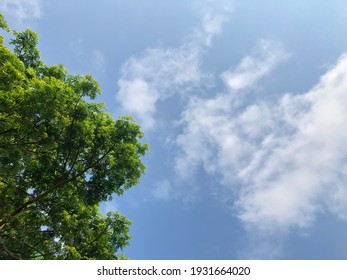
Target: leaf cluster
60 156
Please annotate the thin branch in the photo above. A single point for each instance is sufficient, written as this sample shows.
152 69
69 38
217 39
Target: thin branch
70 135
8 130
103 232
23 191
61 181
7 251
25 143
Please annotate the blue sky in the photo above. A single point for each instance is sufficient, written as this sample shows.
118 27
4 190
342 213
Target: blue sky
244 105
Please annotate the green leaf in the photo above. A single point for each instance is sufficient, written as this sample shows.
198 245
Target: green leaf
3 24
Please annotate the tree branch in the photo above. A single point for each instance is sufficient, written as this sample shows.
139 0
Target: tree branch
7 251
8 130
61 181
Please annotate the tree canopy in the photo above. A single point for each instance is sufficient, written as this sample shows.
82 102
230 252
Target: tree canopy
60 156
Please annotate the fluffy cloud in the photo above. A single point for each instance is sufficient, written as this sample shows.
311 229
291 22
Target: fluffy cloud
282 161
139 98
154 76
210 125
302 169
255 66
159 73
21 10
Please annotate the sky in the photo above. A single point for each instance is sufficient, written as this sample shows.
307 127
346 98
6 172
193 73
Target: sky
243 104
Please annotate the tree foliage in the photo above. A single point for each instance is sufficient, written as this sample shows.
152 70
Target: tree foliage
60 156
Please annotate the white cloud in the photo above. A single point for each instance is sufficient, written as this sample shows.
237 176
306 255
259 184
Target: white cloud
255 66
210 127
139 98
21 10
214 16
154 76
211 26
164 72
283 162
304 171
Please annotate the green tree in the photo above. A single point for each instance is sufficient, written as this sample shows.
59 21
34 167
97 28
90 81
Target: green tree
60 156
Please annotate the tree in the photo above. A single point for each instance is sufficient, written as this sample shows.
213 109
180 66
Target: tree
60 156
